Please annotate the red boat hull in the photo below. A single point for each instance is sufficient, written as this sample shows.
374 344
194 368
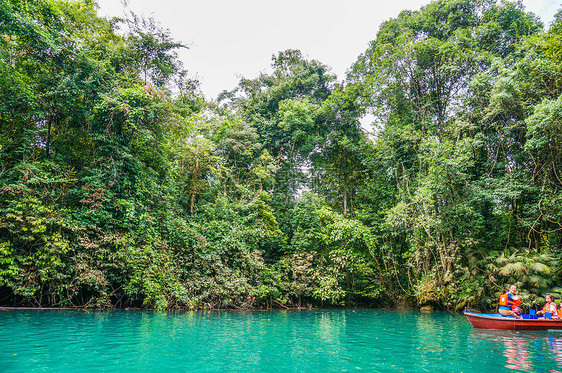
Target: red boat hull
489 321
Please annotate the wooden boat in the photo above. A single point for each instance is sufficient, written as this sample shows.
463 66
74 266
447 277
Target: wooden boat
497 321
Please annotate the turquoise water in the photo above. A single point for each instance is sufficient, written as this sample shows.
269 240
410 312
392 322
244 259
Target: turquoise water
277 341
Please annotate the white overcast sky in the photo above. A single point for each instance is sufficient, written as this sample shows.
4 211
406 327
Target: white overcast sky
228 39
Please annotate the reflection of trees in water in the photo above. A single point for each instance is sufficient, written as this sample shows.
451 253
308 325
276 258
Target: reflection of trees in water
432 329
523 350
330 326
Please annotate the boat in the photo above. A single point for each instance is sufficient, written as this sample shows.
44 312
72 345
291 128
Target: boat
497 321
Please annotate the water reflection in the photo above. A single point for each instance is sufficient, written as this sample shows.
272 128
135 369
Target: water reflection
555 345
302 341
522 351
517 354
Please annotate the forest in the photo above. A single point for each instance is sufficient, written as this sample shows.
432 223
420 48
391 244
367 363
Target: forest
121 185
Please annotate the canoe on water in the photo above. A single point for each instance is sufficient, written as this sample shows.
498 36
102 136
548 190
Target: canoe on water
497 321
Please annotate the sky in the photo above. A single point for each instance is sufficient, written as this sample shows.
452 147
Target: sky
229 39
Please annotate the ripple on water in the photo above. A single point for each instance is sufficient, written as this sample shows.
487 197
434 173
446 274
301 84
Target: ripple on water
324 340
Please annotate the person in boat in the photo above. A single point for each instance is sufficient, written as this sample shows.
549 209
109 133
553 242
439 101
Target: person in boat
509 303
550 306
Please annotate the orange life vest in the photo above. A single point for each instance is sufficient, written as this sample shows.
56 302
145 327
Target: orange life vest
504 301
547 308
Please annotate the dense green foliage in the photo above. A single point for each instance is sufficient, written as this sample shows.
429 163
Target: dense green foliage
120 185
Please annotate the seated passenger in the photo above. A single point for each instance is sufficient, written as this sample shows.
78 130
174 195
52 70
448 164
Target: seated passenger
550 306
509 303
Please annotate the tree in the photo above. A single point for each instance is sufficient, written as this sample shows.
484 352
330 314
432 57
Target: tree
427 78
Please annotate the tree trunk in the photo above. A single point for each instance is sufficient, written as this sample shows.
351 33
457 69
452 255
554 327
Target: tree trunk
193 186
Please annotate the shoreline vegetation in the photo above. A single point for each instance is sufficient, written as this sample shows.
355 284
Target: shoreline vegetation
122 186
300 308
5 308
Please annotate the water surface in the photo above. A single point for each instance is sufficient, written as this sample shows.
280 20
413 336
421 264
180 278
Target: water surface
288 341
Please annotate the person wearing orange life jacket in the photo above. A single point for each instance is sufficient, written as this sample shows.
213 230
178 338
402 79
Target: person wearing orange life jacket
550 306
509 303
